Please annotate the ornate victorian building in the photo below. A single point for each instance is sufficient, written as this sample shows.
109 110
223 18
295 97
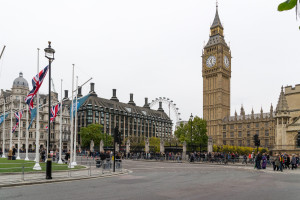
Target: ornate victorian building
12 99
277 130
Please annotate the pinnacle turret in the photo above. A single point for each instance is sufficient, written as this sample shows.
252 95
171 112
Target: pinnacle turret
282 105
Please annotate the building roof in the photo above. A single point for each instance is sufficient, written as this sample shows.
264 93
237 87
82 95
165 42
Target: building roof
124 107
217 21
248 117
216 39
282 105
20 81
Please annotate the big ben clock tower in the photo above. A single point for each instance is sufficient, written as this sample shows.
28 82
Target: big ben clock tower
216 73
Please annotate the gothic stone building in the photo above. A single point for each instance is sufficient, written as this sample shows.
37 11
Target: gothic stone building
12 99
277 130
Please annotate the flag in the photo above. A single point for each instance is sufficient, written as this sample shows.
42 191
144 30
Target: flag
2 118
36 84
80 101
18 116
54 111
32 116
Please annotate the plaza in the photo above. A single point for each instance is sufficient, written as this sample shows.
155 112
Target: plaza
169 180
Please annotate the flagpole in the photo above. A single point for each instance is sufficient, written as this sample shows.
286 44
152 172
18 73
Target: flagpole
60 122
37 137
26 145
18 157
11 113
72 109
75 135
3 133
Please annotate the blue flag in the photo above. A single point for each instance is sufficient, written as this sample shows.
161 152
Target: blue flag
2 118
32 117
80 101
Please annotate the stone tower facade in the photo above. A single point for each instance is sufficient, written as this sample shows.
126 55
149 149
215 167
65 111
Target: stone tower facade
216 73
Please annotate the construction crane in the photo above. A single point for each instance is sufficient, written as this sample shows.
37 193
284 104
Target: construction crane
2 52
53 85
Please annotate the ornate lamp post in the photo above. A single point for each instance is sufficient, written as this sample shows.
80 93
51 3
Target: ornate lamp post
191 120
49 53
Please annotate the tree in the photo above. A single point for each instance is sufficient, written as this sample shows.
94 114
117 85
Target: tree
288 5
193 132
94 132
155 142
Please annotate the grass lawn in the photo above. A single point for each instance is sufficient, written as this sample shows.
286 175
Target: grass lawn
16 166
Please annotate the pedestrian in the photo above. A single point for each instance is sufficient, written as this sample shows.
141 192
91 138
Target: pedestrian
293 162
276 162
264 161
258 160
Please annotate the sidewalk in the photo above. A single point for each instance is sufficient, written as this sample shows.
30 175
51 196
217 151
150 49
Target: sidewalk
17 179
269 168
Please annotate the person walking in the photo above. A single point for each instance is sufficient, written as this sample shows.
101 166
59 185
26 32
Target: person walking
293 162
276 163
264 161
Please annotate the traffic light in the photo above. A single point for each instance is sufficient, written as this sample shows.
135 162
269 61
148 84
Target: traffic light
256 140
116 135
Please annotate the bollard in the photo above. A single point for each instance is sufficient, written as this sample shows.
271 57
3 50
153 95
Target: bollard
23 172
90 169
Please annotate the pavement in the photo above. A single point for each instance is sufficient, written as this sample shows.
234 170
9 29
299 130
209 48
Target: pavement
165 180
33 178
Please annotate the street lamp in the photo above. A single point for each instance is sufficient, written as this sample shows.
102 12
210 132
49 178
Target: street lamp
191 120
49 53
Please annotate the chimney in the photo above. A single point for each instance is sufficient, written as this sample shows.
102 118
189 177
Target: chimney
114 96
92 89
66 94
146 103
160 108
131 102
79 94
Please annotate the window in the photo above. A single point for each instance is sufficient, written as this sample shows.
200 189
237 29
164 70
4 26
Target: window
256 125
240 142
266 132
224 127
266 124
231 142
24 134
30 134
248 133
257 132
266 143
224 142
240 126
42 135
248 143
248 125
224 135
231 134
231 126
240 133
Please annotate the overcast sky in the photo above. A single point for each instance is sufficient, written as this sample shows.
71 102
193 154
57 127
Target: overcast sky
153 48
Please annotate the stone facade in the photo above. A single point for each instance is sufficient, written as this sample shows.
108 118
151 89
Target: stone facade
12 99
279 130
131 119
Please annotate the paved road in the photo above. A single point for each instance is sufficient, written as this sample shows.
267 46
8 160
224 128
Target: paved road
155 180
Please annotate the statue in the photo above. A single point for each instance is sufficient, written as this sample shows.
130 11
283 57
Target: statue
147 146
101 146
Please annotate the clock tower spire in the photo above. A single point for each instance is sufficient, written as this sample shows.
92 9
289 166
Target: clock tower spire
216 74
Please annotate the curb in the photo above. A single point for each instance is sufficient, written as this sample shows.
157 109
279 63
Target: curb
125 171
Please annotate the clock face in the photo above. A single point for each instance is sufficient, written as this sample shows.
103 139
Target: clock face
226 61
211 61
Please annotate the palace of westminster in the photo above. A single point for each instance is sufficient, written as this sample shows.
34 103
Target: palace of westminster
278 129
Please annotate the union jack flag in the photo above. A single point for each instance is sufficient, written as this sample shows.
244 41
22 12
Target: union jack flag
36 84
53 114
18 116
